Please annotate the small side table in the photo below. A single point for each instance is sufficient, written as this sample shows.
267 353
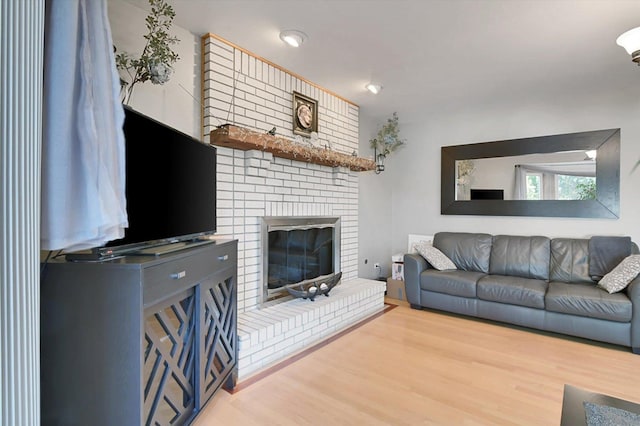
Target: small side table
573 413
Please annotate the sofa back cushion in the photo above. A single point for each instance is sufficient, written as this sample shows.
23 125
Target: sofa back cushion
570 260
526 257
470 252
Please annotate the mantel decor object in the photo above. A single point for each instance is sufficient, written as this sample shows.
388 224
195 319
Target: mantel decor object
305 115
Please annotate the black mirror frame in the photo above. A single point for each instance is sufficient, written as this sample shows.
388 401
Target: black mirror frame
606 204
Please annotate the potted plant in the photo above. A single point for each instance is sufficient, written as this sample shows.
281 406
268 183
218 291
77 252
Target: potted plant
387 140
157 58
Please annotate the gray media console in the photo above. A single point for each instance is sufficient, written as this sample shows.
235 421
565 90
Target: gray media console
139 340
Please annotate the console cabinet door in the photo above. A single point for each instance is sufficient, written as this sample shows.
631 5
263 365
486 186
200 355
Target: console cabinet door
169 360
218 347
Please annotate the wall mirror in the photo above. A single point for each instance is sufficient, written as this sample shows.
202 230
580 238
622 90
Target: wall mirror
568 175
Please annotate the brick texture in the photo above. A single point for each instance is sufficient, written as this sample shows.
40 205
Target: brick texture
243 90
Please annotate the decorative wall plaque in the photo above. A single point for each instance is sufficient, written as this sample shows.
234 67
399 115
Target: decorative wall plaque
305 115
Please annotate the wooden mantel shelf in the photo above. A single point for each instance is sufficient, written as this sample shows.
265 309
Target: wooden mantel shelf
240 138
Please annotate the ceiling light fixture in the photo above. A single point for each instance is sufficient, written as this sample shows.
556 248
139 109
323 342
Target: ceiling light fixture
631 43
293 37
374 88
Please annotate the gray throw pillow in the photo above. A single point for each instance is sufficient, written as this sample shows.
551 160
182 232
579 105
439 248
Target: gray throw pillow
435 257
620 277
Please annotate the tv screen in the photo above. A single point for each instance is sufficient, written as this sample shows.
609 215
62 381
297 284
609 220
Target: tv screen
170 183
487 194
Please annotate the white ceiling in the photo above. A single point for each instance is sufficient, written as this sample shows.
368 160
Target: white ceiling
431 54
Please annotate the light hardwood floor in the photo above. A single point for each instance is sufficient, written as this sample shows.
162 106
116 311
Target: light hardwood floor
409 367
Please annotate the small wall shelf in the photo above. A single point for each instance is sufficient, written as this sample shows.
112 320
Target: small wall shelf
244 139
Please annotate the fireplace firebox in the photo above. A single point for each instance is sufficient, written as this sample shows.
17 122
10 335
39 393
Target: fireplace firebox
296 249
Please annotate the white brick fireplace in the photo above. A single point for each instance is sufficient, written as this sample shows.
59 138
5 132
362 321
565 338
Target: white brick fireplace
244 90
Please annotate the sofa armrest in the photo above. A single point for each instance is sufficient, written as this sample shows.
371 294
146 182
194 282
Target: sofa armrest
414 264
633 292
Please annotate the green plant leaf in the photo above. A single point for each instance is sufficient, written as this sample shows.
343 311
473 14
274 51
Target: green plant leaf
157 49
388 137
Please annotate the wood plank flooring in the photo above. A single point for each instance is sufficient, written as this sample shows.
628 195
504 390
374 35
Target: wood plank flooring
410 367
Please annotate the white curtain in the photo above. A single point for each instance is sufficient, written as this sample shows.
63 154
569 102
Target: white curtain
520 187
573 168
548 170
83 163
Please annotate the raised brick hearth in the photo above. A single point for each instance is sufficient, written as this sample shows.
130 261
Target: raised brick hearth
271 334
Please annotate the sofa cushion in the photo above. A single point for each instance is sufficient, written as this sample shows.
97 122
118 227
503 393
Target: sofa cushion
470 252
605 253
455 283
512 290
620 277
435 257
588 300
526 257
570 260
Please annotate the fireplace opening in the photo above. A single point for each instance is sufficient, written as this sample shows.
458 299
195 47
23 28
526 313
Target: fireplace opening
297 249
299 255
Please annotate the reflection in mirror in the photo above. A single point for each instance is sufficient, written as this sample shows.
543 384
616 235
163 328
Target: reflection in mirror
568 175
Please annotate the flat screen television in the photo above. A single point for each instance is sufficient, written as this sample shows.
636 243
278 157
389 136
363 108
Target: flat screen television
170 184
487 194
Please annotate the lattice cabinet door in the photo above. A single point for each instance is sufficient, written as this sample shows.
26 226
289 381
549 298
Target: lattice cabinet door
218 345
169 360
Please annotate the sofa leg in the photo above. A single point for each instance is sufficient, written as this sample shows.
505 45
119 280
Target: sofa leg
636 350
415 306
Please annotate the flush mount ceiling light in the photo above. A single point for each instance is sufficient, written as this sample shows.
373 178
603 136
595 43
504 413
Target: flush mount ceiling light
374 88
631 43
293 37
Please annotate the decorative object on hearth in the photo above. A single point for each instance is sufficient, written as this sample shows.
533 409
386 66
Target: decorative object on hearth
305 115
386 141
157 58
315 287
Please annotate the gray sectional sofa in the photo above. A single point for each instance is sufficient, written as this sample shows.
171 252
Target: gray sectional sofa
532 281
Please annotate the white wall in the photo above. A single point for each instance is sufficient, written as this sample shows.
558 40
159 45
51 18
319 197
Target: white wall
406 197
375 206
170 103
416 195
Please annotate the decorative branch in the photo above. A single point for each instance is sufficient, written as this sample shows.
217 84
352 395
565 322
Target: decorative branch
155 62
388 138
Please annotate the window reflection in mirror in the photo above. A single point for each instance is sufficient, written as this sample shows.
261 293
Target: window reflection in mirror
569 175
